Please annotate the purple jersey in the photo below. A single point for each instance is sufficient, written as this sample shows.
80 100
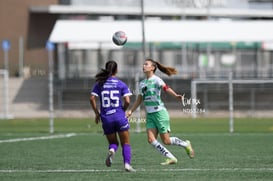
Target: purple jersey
110 94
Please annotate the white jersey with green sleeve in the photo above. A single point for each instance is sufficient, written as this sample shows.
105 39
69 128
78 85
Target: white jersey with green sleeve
150 89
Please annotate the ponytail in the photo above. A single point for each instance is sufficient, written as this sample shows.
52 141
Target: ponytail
111 68
166 70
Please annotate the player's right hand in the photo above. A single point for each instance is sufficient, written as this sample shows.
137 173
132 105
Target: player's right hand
97 119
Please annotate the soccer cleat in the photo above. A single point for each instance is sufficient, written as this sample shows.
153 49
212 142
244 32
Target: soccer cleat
109 159
189 149
169 161
129 168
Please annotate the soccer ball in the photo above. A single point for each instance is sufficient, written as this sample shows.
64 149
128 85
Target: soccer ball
119 38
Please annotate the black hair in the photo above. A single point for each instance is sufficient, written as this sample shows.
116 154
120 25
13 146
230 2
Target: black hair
111 68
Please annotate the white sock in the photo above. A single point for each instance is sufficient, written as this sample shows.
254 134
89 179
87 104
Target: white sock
159 147
179 142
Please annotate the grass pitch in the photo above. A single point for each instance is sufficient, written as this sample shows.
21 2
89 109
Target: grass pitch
77 150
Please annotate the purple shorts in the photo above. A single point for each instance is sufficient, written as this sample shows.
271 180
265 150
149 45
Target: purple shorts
113 123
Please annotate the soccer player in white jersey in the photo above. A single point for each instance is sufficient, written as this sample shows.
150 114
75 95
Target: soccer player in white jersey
157 117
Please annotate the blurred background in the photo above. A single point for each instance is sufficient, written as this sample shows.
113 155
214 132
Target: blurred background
222 50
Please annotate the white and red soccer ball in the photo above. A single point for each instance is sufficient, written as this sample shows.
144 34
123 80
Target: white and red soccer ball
119 38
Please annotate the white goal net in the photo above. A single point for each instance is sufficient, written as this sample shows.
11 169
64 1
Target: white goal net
241 94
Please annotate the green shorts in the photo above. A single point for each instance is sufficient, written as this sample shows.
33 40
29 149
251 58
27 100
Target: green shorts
159 120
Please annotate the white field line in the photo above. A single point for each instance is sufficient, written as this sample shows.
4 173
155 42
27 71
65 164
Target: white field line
74 134
144 170
38 138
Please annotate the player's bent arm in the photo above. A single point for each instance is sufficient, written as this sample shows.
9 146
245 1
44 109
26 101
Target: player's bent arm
171 92
93 104
135 105
126 103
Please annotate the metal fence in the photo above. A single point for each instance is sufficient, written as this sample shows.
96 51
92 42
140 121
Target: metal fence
29 97
74 79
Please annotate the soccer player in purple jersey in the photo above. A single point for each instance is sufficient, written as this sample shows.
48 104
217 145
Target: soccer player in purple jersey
114 98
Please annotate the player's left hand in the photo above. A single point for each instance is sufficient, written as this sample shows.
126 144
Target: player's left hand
180 97
128 113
